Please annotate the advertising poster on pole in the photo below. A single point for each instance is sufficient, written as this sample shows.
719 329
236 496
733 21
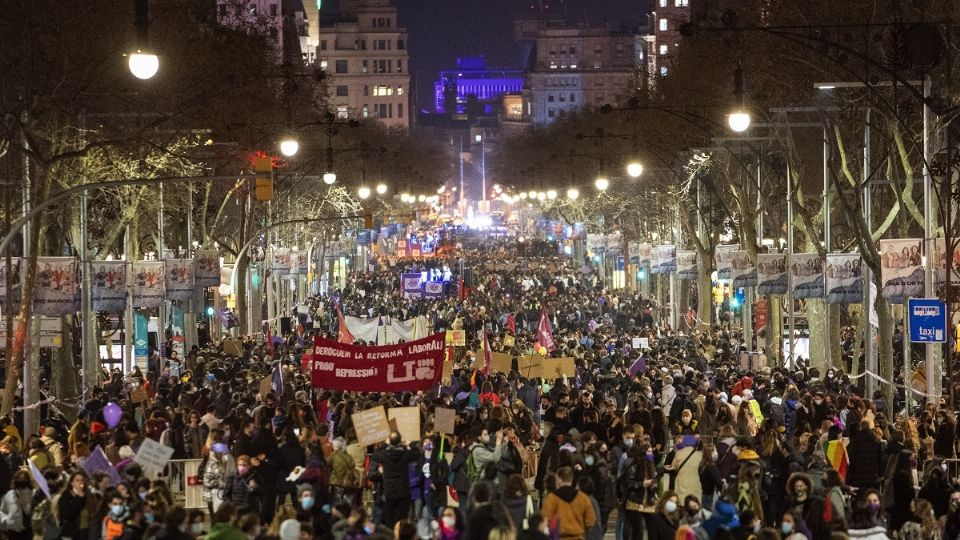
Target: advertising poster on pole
771 273
721 259
742 270
179 276
206 267
664 260
280 261
633 250
14 293
57 289
901 269
299 262
140 340
687 264
844 278
940 262
646 252
109 285
806 271
147 284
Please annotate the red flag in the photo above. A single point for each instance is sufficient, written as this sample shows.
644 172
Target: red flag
544 334
267 337
512 324
487 354
343 333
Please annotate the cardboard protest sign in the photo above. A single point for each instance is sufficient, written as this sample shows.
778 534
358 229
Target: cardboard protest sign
555 368
444 420
501 362
138 395
265 386
407 421
457 338
509 341
530 366
153 456
232 347
371 426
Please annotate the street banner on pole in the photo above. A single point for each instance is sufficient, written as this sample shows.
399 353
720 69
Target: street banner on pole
299 262
109 285
206 264
686 264
407 367
742 270
140 336
771 273
280 261
57 287
147 283
806 269
844 277
14 293
940 262
901 269
179 276
721 258
664 260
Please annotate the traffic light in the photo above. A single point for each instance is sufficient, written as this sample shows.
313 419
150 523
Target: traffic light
368 220
263 167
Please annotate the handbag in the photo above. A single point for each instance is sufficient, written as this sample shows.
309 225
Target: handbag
673 474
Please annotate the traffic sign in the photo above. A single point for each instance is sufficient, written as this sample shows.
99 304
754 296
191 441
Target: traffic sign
928 320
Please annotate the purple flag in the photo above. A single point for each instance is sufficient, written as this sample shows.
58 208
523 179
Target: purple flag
97 462
639 366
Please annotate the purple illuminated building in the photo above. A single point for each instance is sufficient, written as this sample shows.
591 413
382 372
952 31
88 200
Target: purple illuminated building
472 84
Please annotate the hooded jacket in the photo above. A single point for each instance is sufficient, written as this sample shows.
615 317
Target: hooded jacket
572 510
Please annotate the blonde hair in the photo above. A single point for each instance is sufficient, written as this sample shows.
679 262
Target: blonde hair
502 532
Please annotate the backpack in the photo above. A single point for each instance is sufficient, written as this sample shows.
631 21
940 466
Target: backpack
473 473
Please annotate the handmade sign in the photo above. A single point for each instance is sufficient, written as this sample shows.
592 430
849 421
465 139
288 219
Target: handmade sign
407 420
444 420
371 426
152 455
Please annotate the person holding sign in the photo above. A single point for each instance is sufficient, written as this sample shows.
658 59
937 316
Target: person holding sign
395 460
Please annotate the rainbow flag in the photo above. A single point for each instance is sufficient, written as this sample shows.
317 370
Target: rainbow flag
836 454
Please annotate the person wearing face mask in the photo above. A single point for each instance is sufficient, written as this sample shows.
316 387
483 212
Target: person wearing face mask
749 526
711 482
793 527
596 468
450 525
950 523
112 526
135 526
240 487
663 522
864 524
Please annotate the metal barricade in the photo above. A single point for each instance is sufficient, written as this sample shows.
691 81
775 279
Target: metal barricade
181 476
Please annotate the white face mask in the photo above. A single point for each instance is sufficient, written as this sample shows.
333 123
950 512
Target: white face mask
449 521
196 529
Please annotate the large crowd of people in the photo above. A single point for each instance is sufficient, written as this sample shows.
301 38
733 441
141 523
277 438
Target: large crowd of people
685 437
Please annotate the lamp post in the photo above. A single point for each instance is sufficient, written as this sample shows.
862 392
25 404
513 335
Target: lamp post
483 168
142 63
739 119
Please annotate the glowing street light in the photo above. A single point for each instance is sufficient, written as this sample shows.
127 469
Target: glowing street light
421 198
573 194
381 188
363 192
541 196
602 183
552 194
289 147
143 65
739 120
330 178
634 169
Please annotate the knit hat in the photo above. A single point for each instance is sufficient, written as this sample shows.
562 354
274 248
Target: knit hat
736 400
290 529
303 488
126 452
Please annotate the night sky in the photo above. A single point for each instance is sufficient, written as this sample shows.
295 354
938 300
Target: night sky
442 30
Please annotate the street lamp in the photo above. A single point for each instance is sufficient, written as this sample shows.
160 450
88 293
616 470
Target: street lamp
143 65
573 194
552 194
602 183
289 147
739 119
532 194
363 192
541 196
522 196
381 188
634 169
329 178
421 198
404 197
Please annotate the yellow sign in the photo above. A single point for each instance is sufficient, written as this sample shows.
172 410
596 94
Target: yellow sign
457 338
755 409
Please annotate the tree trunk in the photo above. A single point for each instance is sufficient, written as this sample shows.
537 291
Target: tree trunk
817 311
775 352
242 265
63 374
705 299
885 345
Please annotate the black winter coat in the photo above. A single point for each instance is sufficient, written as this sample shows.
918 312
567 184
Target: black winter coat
396 471
865 458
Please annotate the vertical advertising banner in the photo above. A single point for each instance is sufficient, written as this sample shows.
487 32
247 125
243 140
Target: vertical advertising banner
300 262
176 327
206 267
147 284
844 277
721 258
14 293
633 251
742 270
280 261
901 269
664 260
940 262
57 286
140 340
806 271
771 273
180 282
687 264
109 285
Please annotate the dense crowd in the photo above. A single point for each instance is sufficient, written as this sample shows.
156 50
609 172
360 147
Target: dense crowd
688 438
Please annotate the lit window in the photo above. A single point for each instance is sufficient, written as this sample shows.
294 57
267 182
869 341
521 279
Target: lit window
663 25
663 3
663 50
573 66
399 90
683 3
366 110
664 71
381 90
342 112
553 65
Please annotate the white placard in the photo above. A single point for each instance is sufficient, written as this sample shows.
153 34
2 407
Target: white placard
153 456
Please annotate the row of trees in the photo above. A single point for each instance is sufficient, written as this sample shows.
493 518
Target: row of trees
677 127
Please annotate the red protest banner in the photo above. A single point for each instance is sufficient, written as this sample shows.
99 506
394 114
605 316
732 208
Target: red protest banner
404 367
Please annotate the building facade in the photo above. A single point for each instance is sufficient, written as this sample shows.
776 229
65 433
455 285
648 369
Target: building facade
364 54
664 38
577 67
294 22
455 89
